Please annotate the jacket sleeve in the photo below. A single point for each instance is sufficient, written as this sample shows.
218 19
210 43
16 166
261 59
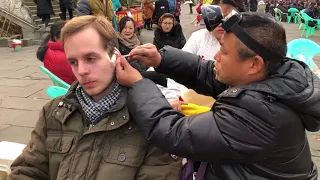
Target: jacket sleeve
156 43
33 162
188 69
159 165
83 8
231 134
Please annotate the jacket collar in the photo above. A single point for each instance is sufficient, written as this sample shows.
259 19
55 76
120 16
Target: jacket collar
117 116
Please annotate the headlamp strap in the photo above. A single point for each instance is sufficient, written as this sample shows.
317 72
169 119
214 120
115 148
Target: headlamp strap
253 44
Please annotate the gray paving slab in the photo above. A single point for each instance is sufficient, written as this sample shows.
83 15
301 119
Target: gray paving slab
16 82
11 67
16 134
16 117
21 73
22 103
4 127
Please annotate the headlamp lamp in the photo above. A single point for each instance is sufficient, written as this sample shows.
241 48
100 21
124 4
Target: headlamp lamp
212 16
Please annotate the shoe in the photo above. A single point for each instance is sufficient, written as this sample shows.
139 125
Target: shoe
42 27
149 29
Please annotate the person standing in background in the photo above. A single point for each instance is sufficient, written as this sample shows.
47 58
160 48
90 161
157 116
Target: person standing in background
160 7
253 5
64 6
147 7
44 10
177 12
96 8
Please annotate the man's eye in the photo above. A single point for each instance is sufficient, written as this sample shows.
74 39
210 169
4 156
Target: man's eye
72 62
90 59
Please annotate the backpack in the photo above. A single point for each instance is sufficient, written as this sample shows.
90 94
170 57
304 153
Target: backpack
172 5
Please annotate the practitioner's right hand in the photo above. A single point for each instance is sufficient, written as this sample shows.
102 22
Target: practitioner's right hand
147 53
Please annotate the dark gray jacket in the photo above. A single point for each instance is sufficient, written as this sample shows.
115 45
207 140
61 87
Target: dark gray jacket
174 38
256 131
44 7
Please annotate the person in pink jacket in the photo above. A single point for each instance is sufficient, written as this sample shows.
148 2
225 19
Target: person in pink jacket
51 53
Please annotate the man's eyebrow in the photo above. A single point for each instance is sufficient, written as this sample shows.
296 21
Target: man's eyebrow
92 53
71 58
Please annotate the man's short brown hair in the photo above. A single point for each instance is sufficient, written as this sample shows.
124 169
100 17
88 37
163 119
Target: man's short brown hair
100 24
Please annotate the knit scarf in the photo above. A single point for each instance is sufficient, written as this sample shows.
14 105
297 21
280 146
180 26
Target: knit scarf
94 110
129 43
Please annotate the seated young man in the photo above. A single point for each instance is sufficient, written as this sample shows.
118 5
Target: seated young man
89 133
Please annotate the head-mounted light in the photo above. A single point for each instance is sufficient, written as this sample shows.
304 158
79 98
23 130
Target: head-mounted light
212 16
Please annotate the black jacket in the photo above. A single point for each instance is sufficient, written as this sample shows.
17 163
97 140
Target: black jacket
160 7
65 4
44 7
138 65
174 38
256 131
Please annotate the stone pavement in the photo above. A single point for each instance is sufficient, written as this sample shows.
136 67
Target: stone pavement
23 86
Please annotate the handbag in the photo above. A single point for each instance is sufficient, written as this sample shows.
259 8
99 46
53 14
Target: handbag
188 172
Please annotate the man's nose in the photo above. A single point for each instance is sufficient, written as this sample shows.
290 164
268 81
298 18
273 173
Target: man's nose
82 68
217 56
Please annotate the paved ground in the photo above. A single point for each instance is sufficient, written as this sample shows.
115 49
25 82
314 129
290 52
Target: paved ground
22 87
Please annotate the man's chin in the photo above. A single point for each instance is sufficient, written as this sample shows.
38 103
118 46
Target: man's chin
90 91
219 79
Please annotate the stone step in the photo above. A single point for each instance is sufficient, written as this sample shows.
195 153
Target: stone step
56 10
53 19
30 3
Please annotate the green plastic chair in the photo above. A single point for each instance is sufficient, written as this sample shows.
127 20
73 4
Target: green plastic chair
292 15
55 91
55 79
300 20
309 25
304 50
278 14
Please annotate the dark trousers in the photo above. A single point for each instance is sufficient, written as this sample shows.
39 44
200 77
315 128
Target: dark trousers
46 19
63 15
177 18
147 23
190 5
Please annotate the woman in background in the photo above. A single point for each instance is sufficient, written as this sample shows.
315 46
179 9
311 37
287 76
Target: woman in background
169 33
51 53
128 40
205 43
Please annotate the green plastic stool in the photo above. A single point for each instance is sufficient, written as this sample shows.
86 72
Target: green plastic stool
278 14
292 15
304 50
55 91
300 20
307 27
55 79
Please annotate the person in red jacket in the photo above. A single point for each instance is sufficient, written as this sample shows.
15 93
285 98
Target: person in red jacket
51 53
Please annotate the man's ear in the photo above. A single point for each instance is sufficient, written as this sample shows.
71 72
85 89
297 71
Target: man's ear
116 53
256 65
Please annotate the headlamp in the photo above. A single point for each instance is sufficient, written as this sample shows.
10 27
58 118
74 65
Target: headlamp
212 16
